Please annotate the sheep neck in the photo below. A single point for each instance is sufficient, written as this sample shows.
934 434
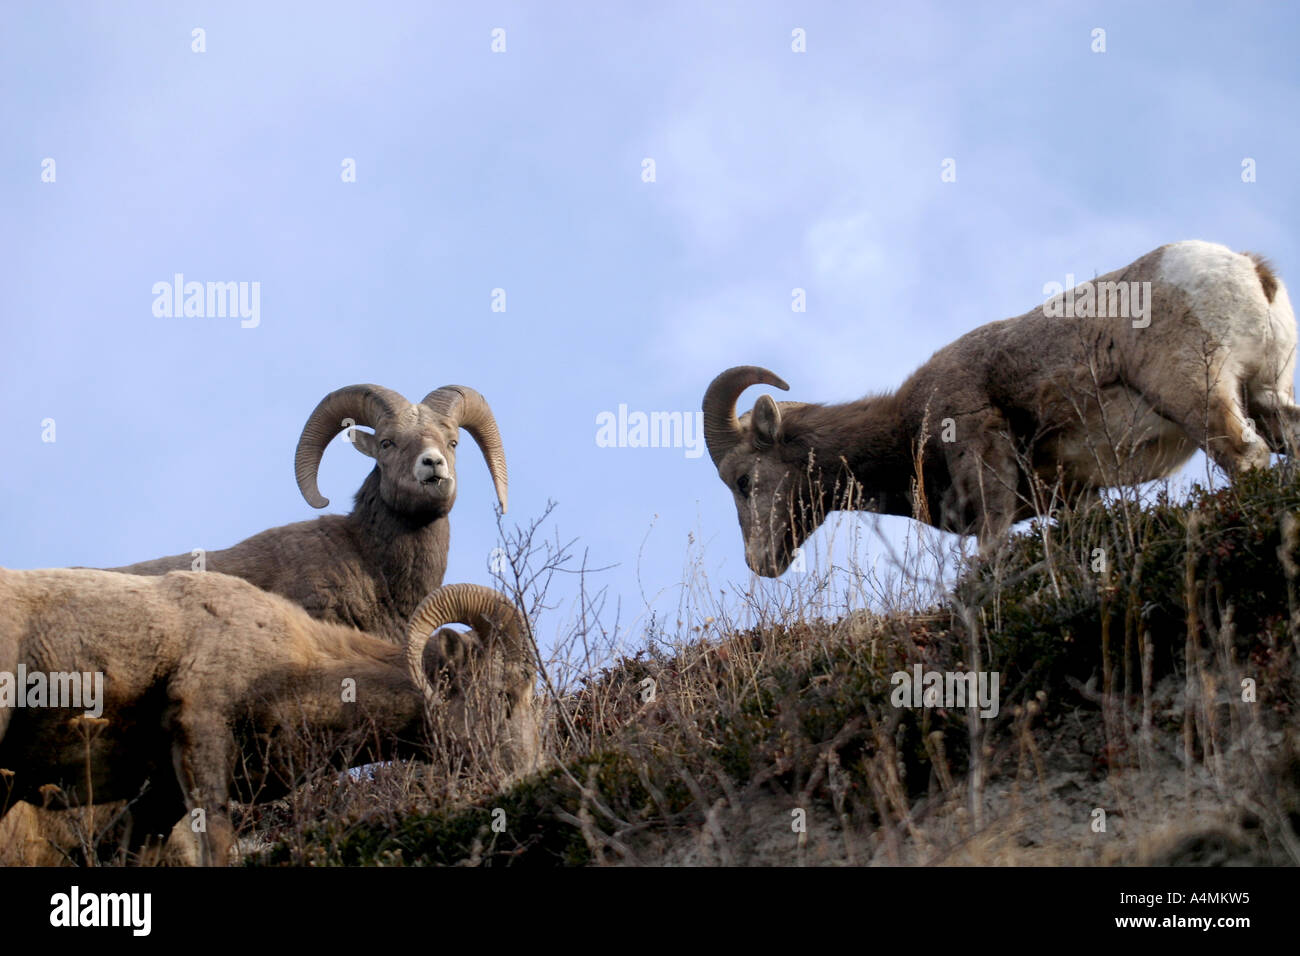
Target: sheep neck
409 551
873 438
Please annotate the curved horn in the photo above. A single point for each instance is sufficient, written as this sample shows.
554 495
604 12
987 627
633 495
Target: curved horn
470 411
364 404
484 609
721 429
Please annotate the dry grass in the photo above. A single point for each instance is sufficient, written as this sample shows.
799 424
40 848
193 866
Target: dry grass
1147 711
1122 704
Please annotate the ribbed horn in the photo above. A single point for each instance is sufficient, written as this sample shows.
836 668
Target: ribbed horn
470 411
721 428
365 404
486 610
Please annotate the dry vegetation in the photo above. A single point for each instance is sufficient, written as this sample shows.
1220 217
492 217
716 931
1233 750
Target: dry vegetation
1123 632
1121 692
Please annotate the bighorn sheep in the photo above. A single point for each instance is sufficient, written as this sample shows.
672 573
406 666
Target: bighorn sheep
1088 402
203 670
372 567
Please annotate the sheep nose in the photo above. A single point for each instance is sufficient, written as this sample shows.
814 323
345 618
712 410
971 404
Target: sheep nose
432 465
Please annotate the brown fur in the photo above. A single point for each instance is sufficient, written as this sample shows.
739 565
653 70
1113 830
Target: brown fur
370 568
1267 279
200 671
1082 403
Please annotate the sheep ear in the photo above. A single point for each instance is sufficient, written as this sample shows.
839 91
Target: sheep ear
767 422
365 442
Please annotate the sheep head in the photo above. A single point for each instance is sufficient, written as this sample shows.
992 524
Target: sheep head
478 684
414 446
767 473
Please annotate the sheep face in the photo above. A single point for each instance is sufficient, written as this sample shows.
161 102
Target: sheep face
767 469
769 478
414 446
486 699
415 453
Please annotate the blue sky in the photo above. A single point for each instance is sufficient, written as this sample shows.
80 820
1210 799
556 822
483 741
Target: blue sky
522 171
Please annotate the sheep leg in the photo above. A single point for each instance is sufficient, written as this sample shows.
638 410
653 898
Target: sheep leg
201 756
1215 418
1233 441
1279 419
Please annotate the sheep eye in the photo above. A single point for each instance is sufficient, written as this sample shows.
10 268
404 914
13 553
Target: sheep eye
386 443
742 485
454 442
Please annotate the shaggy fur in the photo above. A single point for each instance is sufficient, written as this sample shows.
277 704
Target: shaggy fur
370 568
202 671
1075 403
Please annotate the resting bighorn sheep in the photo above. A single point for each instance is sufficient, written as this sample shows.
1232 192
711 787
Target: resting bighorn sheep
1087 402
202 670
372 567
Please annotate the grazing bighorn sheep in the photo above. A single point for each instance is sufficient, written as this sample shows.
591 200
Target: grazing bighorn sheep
372 567
1086 402
202 670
